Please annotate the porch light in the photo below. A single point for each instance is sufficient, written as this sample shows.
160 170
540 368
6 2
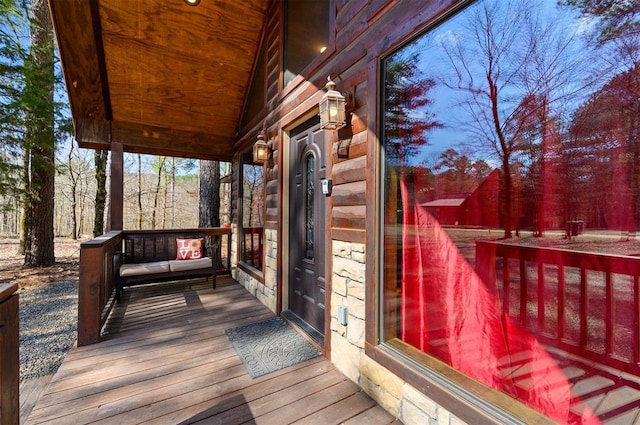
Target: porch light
261 150
332 108
192 2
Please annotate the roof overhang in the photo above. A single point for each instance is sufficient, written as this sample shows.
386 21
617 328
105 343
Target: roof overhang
159 76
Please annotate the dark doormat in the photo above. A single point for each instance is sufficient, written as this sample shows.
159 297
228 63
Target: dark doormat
270 345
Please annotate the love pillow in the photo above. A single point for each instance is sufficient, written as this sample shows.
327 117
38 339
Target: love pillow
189 249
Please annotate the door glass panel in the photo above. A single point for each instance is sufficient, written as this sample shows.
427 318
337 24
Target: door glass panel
310 164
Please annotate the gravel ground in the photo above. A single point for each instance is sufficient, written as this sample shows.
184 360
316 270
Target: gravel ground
48 324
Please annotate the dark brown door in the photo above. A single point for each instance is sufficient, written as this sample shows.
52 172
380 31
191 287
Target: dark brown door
307 225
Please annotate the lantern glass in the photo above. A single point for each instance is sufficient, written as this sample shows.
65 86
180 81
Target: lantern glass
332 110
260 151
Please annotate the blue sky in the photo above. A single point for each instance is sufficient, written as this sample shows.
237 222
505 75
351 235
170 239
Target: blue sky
561 33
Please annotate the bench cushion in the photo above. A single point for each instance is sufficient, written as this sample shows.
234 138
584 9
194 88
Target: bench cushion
181 265
144 268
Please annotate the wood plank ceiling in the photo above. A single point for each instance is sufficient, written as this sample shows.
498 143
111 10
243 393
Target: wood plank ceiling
158 76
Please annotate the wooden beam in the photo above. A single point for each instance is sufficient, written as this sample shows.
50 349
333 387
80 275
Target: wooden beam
92 134
80 56
171 142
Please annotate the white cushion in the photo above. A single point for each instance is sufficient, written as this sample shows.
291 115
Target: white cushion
180 265
144 268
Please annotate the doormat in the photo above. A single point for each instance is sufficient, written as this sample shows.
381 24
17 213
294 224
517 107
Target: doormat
270 345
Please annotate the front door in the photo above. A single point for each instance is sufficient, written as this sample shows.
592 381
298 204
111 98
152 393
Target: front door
307 222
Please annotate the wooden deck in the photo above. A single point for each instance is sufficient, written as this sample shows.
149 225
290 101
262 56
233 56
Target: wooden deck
167 360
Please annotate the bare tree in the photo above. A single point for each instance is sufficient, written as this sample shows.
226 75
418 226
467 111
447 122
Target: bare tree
159 165
508 54
100 164
253 182
74 177
139 194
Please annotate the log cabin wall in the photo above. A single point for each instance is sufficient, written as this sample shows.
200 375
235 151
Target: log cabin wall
363 31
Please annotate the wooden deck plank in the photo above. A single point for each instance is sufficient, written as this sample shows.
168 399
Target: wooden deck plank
167 359
342 410
374 415
94 392
277 398
216 398
308 405
30 391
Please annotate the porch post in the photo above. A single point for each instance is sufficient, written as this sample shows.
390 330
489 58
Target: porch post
117 180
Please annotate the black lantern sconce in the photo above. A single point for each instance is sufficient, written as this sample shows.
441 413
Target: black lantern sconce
261 149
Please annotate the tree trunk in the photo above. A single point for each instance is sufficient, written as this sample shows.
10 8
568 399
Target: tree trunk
73 179
25 217
209 205
100 162
173 192
139 221
157 193
40 135
165 203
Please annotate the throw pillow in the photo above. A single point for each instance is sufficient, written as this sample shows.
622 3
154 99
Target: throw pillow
189 249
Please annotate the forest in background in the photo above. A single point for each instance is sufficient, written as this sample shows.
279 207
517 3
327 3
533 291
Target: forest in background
48 186
159 193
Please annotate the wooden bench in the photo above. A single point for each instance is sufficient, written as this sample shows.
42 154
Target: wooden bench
150 256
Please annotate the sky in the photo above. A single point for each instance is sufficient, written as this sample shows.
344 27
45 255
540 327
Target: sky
564 59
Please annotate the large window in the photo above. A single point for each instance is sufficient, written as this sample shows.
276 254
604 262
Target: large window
511 201
252 232
306 34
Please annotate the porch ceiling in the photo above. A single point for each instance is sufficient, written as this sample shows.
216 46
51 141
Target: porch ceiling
159 76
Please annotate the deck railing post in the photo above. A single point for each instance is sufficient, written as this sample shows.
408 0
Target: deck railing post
9 357
89 309
96 289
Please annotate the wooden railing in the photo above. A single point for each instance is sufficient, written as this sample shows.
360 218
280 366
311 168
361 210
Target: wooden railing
584 303
97 287
252 246
9 359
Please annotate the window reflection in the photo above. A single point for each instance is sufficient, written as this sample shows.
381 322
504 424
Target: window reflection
512 198
306 34
252 212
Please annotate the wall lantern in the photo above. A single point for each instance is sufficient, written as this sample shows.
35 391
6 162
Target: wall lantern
332 108
261 149
192 2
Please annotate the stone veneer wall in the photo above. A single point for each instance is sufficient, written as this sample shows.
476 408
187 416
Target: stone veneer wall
347 345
